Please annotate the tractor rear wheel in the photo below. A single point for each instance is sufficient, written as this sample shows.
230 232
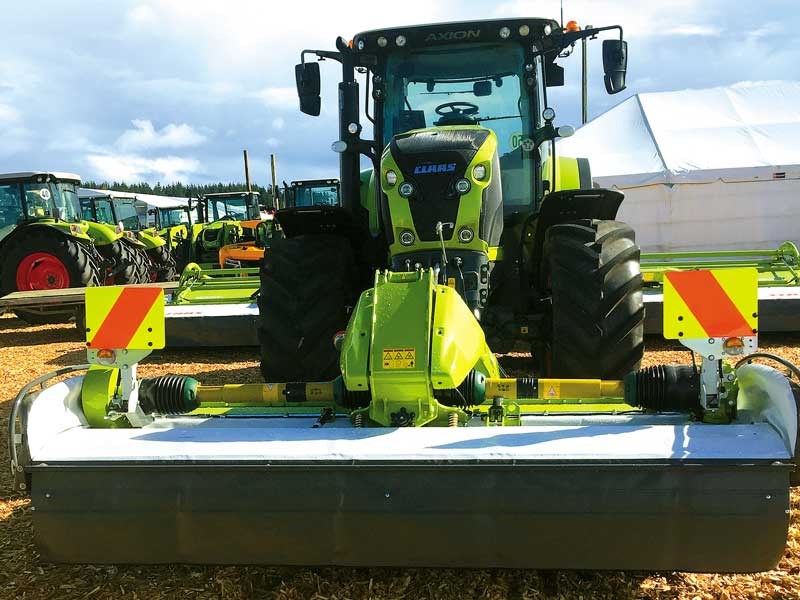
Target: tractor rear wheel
308 285
597 326
162 266
129 263
41 259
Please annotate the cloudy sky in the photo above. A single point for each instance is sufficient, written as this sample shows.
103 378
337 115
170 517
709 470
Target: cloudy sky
165 90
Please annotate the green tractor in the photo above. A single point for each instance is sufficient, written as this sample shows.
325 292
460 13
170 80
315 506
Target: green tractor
45 244
218 223
152 254
464 181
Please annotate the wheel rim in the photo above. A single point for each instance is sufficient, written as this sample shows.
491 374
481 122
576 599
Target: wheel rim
42 271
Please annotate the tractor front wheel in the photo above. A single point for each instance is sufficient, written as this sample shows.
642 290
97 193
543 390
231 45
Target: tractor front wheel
128 263
41 259
597 325
163 266
307 288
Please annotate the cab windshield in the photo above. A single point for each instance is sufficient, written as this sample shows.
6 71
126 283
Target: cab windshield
173 216
127 214
326 195
227 208
51 200
478 85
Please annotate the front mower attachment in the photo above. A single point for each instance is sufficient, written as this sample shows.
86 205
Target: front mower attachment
422 453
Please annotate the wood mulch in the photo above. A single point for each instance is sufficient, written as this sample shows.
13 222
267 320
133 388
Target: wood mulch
26 352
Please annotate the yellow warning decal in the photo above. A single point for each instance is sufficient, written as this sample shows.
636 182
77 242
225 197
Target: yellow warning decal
451 282
549 389
399 358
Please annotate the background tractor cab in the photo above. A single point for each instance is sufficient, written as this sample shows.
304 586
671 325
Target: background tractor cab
257 237
312 192
128 215
465 181
218 222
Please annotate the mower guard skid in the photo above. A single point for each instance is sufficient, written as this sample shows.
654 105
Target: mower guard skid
585 492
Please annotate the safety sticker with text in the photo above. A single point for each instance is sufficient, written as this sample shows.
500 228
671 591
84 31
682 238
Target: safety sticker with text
399 358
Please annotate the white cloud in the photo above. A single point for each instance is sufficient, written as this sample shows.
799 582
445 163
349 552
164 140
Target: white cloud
278 123
272 142
131 167
142 15
690 29
144 135
8 114
278 97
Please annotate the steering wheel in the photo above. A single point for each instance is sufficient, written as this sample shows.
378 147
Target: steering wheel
464 109
456 113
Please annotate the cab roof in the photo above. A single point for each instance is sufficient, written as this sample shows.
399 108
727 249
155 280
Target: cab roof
518 30
28 175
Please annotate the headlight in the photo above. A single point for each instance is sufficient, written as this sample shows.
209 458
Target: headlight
391 177
382 42
479 172
406 189
465 235
406 237
524 30
505 32
462 186
400 40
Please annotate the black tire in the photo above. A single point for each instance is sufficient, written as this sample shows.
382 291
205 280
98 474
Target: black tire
162 264
82 269
128 262
794 476
307 287
597 325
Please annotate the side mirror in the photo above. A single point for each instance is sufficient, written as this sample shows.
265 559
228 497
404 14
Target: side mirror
615 64
553 74
482 88
307 77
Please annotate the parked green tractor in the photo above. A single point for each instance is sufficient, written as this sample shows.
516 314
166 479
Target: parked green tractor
153 260
45 244
218 223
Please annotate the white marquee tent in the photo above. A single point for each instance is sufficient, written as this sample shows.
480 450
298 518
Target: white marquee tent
713 169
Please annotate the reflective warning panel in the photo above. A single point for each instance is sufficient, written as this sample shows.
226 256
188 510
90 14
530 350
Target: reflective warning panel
130 318
710 304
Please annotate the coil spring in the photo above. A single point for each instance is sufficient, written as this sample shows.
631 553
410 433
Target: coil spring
358 420
452 419
167 395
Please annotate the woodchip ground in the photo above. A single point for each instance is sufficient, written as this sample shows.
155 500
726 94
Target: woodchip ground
26 352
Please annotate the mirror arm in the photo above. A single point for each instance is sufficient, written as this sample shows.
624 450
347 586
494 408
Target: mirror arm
321 54
555 43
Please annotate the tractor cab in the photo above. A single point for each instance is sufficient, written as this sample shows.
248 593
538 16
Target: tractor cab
34 196
312 192
117 208
219 222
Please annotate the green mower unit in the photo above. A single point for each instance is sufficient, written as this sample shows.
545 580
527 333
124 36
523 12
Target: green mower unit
668 467
153 260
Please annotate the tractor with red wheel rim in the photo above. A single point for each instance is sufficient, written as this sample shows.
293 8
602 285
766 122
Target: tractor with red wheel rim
45 244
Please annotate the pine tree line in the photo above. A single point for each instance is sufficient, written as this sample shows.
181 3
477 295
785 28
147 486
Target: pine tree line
180 190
